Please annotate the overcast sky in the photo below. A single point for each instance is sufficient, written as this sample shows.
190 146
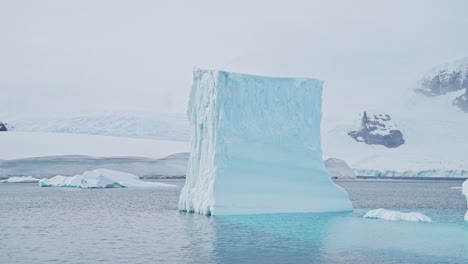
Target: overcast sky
106 55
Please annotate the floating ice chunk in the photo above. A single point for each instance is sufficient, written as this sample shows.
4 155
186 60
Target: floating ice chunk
62 181
256 147
22 179
465 192
397 216
100 178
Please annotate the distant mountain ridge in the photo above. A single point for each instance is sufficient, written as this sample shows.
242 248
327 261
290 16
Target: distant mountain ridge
432 117
429 124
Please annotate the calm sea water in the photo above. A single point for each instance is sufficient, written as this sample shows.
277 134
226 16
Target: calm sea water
61 225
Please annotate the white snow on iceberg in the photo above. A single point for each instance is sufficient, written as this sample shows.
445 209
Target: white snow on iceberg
100 178
256 147
21 179
397 216
465 192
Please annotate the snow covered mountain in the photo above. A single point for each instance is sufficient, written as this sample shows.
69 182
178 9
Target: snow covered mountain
20 145
377 129
48 154
446 78
432 120
117 124
421 133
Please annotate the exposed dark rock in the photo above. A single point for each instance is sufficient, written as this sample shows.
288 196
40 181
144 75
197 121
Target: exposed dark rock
444 81
339 169
462 101
447 78
3 127
377 130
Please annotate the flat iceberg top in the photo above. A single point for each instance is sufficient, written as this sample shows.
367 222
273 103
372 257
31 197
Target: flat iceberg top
198 72
397 216
255 147
100 178
21 179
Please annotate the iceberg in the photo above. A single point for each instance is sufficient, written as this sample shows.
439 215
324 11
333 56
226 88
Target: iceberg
100 178
21 179
465 192
256 148
397 216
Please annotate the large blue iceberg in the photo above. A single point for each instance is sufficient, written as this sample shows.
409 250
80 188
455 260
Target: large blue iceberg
256 147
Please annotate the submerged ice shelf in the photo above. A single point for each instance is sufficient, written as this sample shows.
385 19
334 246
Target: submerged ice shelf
100 178
256 147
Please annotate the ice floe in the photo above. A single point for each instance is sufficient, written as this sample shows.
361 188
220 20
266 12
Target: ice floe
397 216
101 178
20 179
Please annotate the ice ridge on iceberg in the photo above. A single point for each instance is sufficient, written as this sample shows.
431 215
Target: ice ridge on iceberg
397 216
256 148
100 178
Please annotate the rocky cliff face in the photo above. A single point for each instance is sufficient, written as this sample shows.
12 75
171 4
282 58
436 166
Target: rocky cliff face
377 129
339 169
446 78
462 101
3 127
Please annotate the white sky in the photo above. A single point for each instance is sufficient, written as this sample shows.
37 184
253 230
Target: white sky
94 55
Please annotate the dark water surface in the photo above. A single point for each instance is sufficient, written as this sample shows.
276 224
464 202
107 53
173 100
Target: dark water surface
64 225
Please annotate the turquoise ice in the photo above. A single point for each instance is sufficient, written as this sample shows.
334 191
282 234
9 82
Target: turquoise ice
465 192
256 148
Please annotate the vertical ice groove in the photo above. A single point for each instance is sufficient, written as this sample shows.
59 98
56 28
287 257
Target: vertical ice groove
465 193
256 147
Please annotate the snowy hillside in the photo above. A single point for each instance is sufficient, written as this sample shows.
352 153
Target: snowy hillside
131 125
421 133
17 145
48 154
434 131
446 78
173 166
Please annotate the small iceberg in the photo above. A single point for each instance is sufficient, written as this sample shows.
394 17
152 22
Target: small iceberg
101 178
22 179
465 192
397 216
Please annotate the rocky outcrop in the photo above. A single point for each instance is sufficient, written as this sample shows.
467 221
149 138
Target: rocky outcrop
462 101
3 127
339 169
377 129
447 78
444 81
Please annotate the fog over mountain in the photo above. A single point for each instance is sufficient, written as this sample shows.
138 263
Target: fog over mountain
73 58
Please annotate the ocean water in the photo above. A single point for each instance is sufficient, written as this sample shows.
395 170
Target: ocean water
64 225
